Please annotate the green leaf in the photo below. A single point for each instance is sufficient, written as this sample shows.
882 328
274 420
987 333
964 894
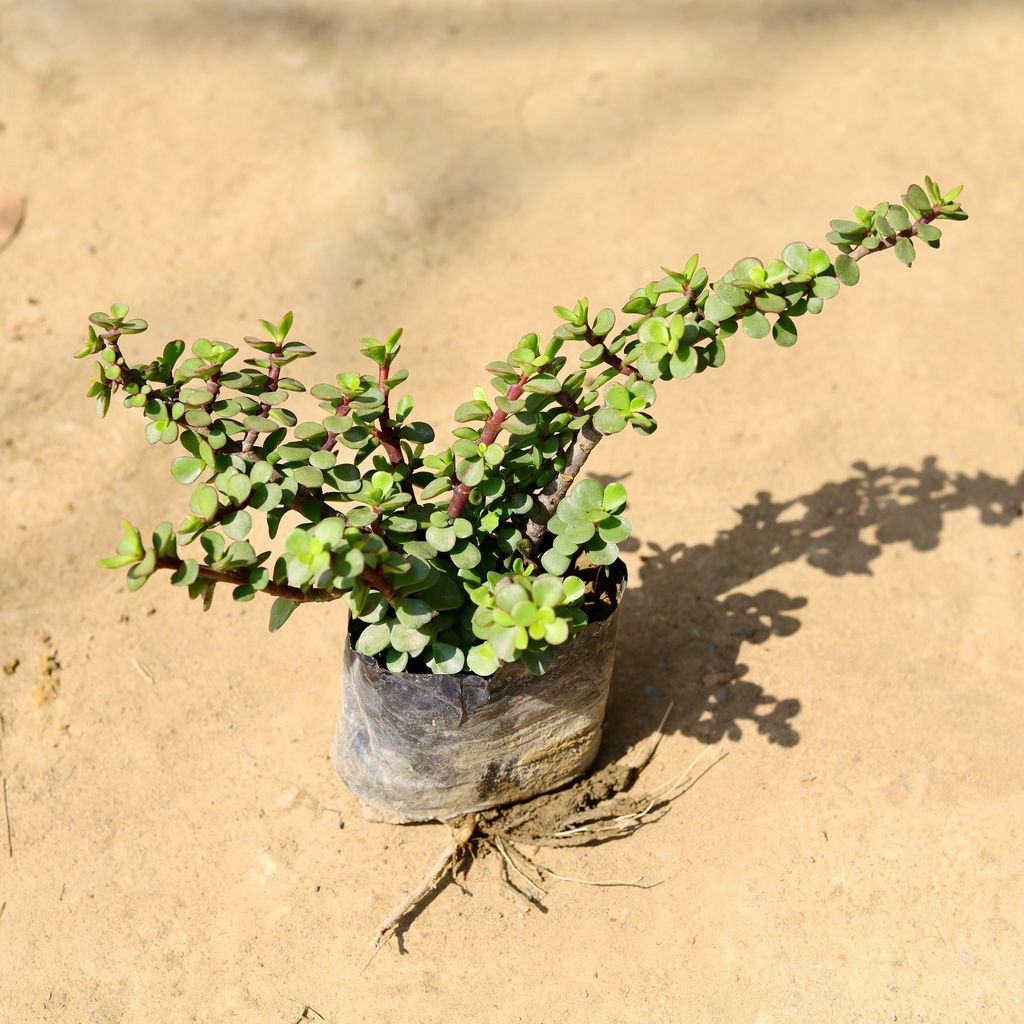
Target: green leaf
683 363
755 323
260 424
717 309
556 632
917 198
795 256
323 460
412 611
186 470
326 392
847 270
164 540
544 385
466 555
604 322
482 660
204 502
445 659
784 332
641 304
280 610
614 499
547 591
617 397
614 530
849 227
586 494
470 411
444 595
898 218
825 287
654 331
905 251
768 302
471 471
602 553
818 262
238 524
554 563
442 538
116 561
264 497
186 574
213 545
608 421
408 640
374 639
238 488
730 294
307 476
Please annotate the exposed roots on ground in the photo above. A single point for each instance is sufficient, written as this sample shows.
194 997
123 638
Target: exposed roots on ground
596 809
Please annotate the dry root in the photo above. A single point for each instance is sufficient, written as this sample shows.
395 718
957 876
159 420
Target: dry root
594 810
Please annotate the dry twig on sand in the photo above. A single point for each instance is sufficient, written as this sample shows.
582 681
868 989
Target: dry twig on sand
7 818
447 863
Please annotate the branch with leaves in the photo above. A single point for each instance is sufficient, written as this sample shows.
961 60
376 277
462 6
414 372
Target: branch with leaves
491 550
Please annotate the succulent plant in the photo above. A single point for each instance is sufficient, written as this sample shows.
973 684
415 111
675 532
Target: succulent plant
489 550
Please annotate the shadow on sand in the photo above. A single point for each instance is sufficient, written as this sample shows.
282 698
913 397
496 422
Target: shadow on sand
686 620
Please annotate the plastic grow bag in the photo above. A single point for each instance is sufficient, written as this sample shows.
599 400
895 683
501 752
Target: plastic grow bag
423 747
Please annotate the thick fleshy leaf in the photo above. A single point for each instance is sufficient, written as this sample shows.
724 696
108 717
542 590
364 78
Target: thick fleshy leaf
795 256
204 501
847 270
482 660
554 562
905 251
187 470
280 610
237 524
445 659
755 324
717 309
614 499
608 420
373 640
784 332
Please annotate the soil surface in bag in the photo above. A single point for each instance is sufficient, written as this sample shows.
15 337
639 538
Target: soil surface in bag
418 746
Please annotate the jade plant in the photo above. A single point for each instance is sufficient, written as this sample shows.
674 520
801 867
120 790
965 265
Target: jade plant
490 549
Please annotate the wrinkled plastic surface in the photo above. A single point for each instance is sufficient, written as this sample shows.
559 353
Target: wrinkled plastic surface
424 747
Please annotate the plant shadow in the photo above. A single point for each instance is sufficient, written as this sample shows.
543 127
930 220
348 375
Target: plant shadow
685 623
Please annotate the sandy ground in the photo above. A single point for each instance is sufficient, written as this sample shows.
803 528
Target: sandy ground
837 525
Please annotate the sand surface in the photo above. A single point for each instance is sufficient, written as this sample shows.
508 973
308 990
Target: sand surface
837 526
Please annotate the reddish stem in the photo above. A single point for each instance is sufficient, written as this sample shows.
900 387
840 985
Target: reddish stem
385 432
490 431
610 357
887 243
341 409
272 377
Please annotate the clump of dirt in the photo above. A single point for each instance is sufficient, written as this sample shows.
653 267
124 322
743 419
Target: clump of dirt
48 682
580 813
